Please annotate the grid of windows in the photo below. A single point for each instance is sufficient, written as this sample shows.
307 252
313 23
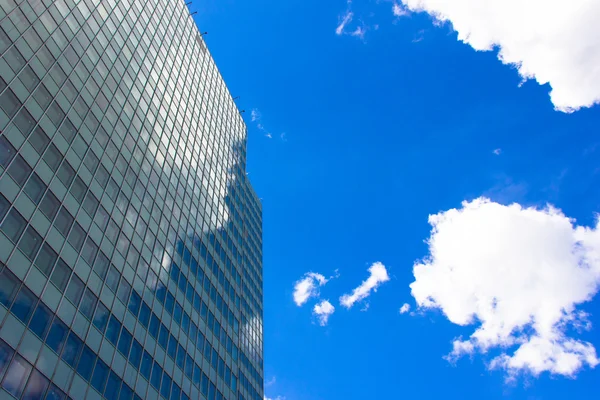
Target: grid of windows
130 237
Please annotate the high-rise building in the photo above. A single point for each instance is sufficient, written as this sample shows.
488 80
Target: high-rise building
130 237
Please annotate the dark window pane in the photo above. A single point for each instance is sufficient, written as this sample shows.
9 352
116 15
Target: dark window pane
154 326
124 289
63 222
24 304
126 393
101 218
42 96
35 188
24 122
16 376
57 335
7 152
4 206
100 375
9 284
13 225
112 386
39 140
72 350
146 366
6 354
61 275
68 130
66 174
36 387
28 78
46 259
90 249
134 303
136 354
90 205
112 280
53 157
101 265
19 170
124 342
75 290
156 375
49 205
78 190
54 393
165 387
175 392
102 176
56 114
41 320
101 317
14 59
86 363
9 103
30 242
114 327
144 316
77 236
91 161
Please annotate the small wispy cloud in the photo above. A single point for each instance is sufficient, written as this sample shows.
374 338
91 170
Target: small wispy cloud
405 308
307 287
344 20
399 11
323 311
497 151
255 115
271 381
378 276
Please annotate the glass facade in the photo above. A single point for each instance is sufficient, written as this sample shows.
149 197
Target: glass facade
130 236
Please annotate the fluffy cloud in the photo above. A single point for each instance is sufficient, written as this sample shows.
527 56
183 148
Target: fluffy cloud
399 11
405 308
378 276
307 287
518 274
551 41
323 311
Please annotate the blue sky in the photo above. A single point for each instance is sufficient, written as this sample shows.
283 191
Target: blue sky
387 121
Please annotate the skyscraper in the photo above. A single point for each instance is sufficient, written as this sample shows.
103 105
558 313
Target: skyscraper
130 237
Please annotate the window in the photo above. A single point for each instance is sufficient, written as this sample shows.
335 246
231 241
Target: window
180 356
68 130
101 317
13 225
35 188
163 336
4 206
30 242
90 205
41 320
16 376
54 393
135 355
42 96
19 170
75 290
114 327
144 316
6 354
9 284
165 388
112 280
50 205
124 289
146 366
101 265
154 326
9 103
156 375
63 222
124 342
100 375
55 113
24 122
90 249
134 303
112 386
39 140
61 275
53 157
24 304
46 259
77 237
91 161
78 189
66 174
86 363
101 218
102 176
7 152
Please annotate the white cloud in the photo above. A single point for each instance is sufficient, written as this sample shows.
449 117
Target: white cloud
405 308
552 41
378 276
255 115
518 274
323 311
307 287
344 20
359 32
271 381
497 151
275 398
399 11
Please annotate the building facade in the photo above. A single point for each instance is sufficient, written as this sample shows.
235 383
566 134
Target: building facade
130 237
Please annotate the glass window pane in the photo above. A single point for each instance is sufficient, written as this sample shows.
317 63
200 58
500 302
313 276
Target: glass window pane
75 290
112 386
4 206
13 225
112 280
39 140
101 317
50 205
6 353
86 363
54 393
7 152
35 188
146 366
16 376
57 335
90 249
53 157
63 222
100 375
61 274
90 205
41 320
46 259
9 103
78 189
30 242
88 304
101 265
124 342
24 122
36 387
72 350
114 327
136 354
24 304
19 170
66 174
134 303
77 236
9 284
